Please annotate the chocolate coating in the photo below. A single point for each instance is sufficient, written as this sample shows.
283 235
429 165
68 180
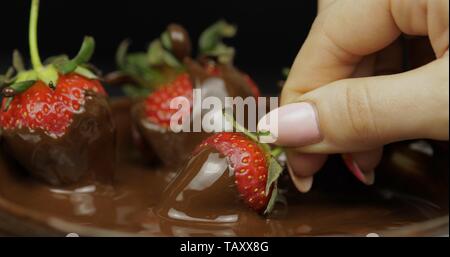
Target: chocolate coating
337 205
173 149
234 80
203 191
181 43
85 153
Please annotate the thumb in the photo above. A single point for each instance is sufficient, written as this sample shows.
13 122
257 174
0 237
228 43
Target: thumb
361 114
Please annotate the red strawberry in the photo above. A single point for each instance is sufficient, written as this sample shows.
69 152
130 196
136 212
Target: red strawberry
250 164
55 119
152 116
151 127
157 104
226 169
51 110
155 77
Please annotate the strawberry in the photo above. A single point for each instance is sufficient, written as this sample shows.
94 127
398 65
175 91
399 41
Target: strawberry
157 104
250 164
226 169
166 71
54 117
51 110
228 174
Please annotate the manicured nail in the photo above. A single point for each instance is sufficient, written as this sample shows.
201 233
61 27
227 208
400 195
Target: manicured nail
303 184
367 178
294 124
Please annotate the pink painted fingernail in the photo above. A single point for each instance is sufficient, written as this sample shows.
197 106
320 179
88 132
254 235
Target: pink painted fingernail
303 184
294 124
367 178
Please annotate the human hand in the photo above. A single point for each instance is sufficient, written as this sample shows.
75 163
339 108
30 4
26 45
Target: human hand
335 99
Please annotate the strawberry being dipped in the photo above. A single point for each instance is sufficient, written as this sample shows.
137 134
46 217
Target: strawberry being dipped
250 164
55 118
228 173
165 72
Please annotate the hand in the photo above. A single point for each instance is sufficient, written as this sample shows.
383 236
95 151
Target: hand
335 101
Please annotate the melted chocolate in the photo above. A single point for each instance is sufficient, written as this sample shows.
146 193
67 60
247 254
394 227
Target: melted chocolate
173 149
140 198
235 83
85 153
202 192
179 38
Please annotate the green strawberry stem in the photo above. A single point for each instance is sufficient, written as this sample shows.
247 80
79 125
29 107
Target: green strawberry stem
165 40
239 127
84 55
49 73
11 91
17 88
18 61
33 43
276 152
274 168
7 104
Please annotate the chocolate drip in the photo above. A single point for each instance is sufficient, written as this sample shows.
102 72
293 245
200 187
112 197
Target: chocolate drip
85 153
173 149
203 191
179 38
140 199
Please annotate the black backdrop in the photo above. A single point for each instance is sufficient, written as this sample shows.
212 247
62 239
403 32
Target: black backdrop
269 35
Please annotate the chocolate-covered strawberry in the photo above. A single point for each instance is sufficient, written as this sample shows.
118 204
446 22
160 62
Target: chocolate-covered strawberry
55 118
228 171
217 58
167 71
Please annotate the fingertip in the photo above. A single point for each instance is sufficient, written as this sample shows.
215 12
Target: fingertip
294 125
368 160
303 184
363 164
302 168
305 165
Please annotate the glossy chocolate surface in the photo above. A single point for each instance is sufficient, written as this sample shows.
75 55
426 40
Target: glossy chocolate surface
206 180
84 153
411 187
180 41
173 149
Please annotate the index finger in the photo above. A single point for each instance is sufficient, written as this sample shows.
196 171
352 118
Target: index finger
346 31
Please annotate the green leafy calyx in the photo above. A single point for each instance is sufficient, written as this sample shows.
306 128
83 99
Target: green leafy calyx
17 79
211 41
274 167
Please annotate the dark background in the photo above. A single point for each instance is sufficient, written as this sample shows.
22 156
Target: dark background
270 33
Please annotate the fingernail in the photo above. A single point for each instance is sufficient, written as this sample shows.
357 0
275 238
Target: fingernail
367 178
294 124
303 184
